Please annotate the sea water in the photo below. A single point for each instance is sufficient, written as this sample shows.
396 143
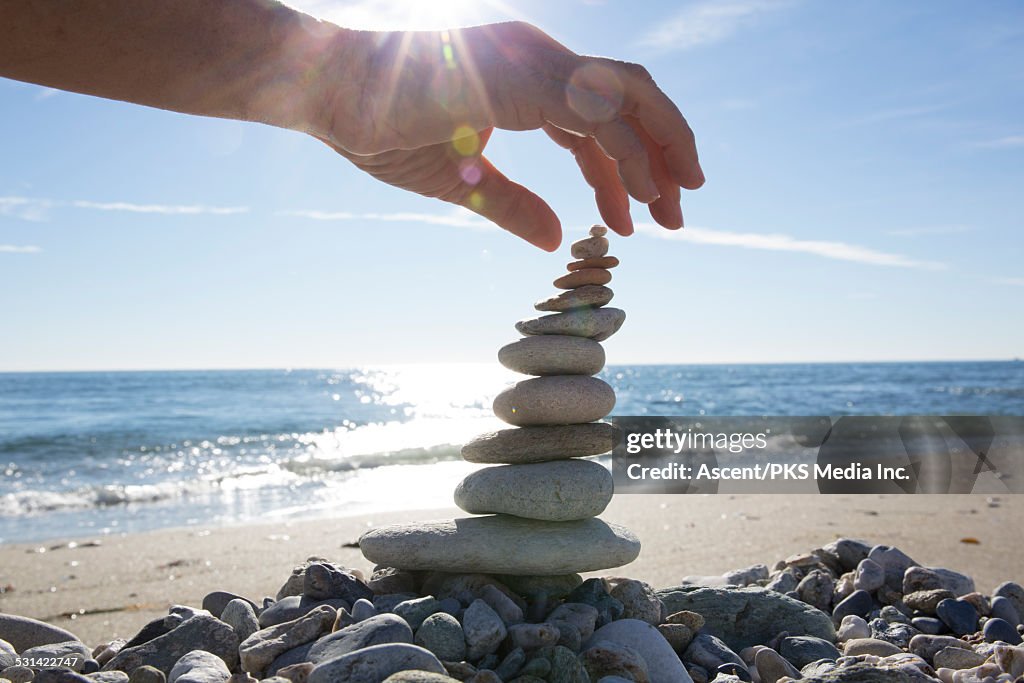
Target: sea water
89 453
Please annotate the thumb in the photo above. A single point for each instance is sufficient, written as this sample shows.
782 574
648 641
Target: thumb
510 205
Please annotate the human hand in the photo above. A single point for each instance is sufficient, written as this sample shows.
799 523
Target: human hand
416 109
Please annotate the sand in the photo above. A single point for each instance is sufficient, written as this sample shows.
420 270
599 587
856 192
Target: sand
112 589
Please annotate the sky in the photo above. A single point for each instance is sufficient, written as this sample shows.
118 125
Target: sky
864 162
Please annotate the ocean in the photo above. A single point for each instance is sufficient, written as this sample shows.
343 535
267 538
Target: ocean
95 453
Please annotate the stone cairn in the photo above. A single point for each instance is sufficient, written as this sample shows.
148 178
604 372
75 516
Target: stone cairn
540 500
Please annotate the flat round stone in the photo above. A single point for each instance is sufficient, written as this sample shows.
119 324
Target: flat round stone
556 491
587 276
502 544
553 355
589 247
541 444
587 295
556 400
594 323
598 262
598 230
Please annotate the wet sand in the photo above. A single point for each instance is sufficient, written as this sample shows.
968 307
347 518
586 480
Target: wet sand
112 589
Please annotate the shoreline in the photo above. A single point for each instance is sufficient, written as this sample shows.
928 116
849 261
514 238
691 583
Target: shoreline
130 579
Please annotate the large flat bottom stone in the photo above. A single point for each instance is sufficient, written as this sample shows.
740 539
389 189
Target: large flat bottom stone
501 544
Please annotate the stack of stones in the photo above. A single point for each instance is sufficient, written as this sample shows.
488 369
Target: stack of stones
540 500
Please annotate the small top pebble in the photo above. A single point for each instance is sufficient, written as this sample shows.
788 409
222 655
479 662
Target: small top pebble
598 231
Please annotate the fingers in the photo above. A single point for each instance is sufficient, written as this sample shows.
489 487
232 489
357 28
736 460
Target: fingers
511 206
665 210
601 174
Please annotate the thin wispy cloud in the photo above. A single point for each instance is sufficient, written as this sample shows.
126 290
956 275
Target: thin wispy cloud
165 209
839 251
19 249
46 93
459 218
1012 281
898 114
931 230
706 23
25 208
1008 142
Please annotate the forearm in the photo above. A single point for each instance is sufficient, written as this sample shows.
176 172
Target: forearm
253 60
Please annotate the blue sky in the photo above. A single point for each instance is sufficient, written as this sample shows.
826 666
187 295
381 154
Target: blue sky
864 165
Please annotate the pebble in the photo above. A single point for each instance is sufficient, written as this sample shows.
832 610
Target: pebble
691 620
108 676
376 630
784 581
996 630
147 674
324 581
753 574
260 649
592 323
596 262
202 631
870 646
502 544
199 666
215 602
294 606
816 589
419 677
1013 592
677 635
802 650
581 616
1003 608
557 491
766 613
858 603
638 601
74 651
853 627
710 652
240 615
925 646
929 625
375 663
23 674
771 666
541 444
553 355
869 576
533 636
587 276
848 552
662 662
415 611
595 593
589 247
363 609
893 561
586 296
959 616
562 399
502 604
24 633
511 664
608 659
926 600
442 634
7 654
484 629
598 230
957 658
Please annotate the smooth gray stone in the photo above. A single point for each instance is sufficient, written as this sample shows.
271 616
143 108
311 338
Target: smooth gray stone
607 659
552 354
442 634
18 674
293 607
663 663
771 666
375 663
376 630
589 247
639 601
108 677
7 654
555 491
147 674
24 632
802 650
502 544
199 666
765 613
594 323
1010 590
216 601
541 444
202 631
240 615
557 400
74 651
484 629
324 581
869 576
260 649
710 652
587 295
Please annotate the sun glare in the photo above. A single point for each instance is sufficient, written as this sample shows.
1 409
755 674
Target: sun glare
409 15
